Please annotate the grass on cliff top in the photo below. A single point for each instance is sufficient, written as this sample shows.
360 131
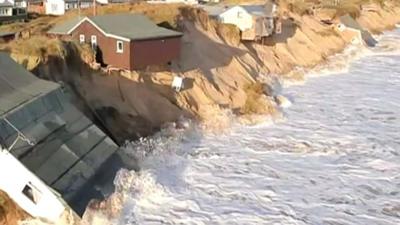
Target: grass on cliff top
159 13
39 46
38 49
35 43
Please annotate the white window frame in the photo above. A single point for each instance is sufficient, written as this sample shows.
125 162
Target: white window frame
82 38
93 40
32 193
4 12
122 47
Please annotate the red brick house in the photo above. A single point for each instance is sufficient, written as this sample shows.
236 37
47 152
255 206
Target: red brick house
127 41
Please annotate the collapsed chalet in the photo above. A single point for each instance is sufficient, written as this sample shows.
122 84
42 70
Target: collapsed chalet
50 137
126 41
348 22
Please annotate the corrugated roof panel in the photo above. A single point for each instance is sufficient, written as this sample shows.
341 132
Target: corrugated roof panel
57 164
18 86
100 153
74 179
37 132
85 141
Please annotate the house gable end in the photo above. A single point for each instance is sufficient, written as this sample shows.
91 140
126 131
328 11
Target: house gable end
230 16
234 10
86 19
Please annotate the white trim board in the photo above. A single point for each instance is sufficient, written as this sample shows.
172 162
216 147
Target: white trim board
101 30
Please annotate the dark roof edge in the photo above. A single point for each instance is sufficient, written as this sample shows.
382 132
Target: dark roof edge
23 104
157 37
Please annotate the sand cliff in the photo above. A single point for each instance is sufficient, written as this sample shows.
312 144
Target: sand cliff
219 72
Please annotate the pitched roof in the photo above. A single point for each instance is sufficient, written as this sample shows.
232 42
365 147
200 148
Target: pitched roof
257 10
213 10
69 149
6 33
6 4
128 26
18 86
63 28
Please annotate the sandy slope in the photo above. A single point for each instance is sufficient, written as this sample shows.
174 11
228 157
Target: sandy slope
216 67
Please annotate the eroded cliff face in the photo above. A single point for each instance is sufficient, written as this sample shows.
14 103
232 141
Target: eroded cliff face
217 67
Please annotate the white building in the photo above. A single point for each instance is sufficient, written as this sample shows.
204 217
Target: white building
254 21
240 15
6 8
28 191
60 7
11 10
55 7
20 4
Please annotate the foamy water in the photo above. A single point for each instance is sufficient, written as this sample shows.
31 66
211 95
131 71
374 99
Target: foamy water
335 159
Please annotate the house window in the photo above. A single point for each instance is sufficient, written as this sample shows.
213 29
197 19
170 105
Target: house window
4 11
120 46
93 41
82 38
32 193
239 15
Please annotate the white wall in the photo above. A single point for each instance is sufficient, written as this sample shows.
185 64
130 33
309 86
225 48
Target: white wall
237 16
21 4
6 11
85 5
55 7
15 177
104 2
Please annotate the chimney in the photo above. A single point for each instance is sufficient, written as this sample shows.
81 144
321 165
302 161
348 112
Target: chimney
94 8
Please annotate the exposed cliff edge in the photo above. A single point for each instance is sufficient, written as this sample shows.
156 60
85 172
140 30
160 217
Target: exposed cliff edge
219 71
222 74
